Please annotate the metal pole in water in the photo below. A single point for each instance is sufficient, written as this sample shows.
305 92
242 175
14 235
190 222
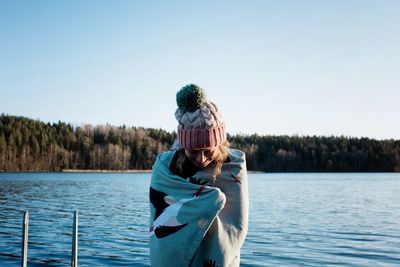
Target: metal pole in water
24 256
74 258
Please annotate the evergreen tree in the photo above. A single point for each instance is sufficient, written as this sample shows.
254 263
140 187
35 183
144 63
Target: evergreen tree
31 145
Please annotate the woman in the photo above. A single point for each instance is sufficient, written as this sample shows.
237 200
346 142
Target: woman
198 191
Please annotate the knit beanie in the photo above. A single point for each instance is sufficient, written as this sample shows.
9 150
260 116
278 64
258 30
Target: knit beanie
200 123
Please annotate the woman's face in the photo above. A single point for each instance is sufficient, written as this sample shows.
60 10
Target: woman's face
201 157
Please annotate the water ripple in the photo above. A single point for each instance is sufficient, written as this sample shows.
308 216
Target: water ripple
295 219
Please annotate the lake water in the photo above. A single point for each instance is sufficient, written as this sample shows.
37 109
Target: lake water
295 219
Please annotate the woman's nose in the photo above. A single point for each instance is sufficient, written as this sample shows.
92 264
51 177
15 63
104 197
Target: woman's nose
201 157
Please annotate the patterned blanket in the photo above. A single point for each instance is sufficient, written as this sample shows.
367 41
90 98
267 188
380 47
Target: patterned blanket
195 222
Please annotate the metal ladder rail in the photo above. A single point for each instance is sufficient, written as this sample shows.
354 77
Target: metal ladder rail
25 227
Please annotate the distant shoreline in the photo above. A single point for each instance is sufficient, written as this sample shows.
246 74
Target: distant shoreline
106 171
150 171
80 171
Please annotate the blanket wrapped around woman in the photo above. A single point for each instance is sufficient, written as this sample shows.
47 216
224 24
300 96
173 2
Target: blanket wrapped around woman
195 221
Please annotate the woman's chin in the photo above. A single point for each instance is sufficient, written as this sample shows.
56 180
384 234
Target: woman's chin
202 165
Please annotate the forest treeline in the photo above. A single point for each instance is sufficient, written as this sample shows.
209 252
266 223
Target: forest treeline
32 145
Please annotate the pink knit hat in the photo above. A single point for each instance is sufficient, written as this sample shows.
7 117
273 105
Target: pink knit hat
201 138
200 124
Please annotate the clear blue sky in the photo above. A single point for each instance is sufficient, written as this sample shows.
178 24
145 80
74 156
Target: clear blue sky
272 67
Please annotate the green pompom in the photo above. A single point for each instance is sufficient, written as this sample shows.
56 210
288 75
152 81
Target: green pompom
190 98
